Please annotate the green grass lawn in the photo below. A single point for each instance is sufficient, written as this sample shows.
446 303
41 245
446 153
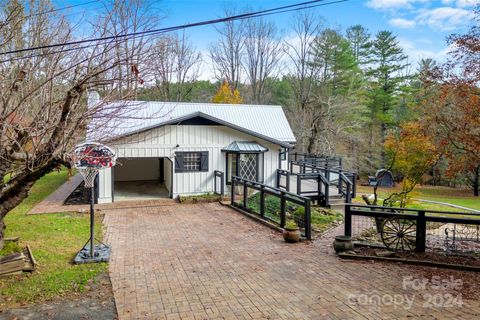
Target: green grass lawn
443 194
54 240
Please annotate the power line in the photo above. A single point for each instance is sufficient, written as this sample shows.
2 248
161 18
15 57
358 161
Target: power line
56 10
262 13
60 9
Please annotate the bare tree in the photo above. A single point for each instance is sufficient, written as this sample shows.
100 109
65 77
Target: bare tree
132 16
175 67
43 110
303 76
227 53
263 51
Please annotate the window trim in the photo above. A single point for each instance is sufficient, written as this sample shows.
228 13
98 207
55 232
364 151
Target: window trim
180 165
237 163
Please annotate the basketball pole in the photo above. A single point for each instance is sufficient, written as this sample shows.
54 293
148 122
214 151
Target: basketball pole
92 218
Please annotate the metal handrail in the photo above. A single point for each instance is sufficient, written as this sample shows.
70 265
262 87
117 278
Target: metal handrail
282 194
221 175
325 171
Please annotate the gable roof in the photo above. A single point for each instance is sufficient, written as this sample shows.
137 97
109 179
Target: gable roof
263 121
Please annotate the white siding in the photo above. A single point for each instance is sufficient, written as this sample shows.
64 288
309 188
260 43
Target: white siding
167 173
162 142
105 185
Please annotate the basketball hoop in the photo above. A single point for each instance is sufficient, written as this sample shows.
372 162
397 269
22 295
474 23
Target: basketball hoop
89 158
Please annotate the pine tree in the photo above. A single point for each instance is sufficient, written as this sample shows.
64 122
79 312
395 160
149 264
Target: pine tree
359 39
225 94
332 55
388 61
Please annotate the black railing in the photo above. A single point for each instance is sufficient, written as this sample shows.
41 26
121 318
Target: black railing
323 160
219 182
319 188
344 181
272 204
283 179
412 229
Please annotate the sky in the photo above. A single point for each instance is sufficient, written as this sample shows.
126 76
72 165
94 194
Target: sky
421 26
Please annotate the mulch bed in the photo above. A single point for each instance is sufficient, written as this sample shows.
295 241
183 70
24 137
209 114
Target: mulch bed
470 280
80 195
466 260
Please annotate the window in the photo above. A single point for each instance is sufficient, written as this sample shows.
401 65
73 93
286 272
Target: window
283 154
245 165
191 161
231 166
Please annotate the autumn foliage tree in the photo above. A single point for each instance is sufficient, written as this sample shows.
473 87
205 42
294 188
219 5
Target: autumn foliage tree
450 110
411 154
226 94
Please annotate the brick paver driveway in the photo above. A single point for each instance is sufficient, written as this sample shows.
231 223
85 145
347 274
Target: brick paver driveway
210 262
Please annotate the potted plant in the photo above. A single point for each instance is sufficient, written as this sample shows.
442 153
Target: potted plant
291 232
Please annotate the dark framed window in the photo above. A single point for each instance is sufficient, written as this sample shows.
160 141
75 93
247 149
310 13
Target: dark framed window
245 165
191 161
283 154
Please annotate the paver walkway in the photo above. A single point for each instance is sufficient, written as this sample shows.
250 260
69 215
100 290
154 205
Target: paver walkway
207 261
54 202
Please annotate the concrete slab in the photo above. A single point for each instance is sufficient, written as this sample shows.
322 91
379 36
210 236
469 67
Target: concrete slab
139 190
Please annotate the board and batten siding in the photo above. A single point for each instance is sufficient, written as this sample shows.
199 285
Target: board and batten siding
167 174
163 141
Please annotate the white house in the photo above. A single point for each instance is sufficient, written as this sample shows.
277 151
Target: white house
171 149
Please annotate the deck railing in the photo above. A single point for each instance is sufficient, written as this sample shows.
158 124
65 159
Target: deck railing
344 181
283 179
272 204
219 182
318 160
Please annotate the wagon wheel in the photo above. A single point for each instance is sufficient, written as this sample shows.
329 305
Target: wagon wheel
399 234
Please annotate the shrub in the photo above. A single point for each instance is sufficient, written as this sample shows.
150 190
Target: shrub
291 225
202 198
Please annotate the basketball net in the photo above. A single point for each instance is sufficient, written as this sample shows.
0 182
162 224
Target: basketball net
88 174
89 158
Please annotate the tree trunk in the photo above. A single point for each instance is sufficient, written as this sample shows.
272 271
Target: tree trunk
311 140
383 137
476 182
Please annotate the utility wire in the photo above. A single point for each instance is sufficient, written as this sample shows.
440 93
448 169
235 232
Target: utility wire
293 7
54 10
60 9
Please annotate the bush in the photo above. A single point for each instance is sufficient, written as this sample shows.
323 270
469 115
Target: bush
202 198
291 225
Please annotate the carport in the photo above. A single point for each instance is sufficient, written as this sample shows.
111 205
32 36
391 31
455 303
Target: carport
142 179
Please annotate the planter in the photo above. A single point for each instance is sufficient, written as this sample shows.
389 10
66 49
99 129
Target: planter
291 235
342 243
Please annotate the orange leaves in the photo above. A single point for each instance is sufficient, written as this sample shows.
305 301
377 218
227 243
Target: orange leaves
412 151
225 94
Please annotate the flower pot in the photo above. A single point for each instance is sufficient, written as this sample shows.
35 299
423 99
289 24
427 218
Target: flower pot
342 243
291 235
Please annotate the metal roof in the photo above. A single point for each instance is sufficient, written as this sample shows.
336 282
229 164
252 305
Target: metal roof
245 146
263 121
